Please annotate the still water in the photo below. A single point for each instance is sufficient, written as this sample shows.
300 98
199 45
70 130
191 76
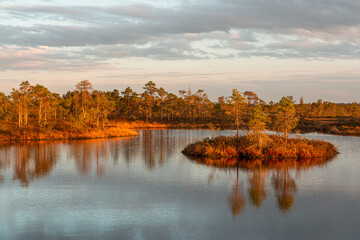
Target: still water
144 188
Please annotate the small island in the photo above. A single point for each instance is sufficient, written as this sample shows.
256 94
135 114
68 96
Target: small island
257 148
245 151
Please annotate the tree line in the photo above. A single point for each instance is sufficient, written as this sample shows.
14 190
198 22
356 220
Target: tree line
36 105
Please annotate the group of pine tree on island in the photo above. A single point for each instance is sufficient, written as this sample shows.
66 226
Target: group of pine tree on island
34 112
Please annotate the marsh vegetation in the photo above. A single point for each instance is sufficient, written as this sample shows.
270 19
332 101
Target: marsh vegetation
244 151
256 146
34 112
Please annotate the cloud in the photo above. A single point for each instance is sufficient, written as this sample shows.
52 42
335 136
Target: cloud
44 58
311 29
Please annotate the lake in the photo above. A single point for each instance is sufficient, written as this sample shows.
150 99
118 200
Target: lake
144 188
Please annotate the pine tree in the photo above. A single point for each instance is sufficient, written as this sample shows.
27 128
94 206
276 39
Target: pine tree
285 118
237 103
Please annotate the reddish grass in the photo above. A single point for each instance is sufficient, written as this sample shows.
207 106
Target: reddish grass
230 151
352 131
65 130
137 124
53 134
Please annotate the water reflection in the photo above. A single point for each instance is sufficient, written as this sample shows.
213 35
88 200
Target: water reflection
30 161
285 189
257 189
258 174
237 199
150 151
282 182
92 152
143 187
153 147
35 159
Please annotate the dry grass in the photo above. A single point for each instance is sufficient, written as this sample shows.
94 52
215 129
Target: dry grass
137 125
65 130
31 133
352 131
345 126
230 151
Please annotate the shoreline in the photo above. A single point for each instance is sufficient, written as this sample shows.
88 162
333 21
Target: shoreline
113 129
258 164
337 129
61 135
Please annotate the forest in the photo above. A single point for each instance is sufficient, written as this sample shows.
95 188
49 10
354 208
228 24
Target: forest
34 108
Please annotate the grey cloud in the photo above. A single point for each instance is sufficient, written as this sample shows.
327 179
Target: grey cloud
42 58
168 49
134 21
306 50
143 30
74 58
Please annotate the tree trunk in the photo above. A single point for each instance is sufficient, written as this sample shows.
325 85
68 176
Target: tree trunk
20 115
237 124
161 113
45 113
128 108
83 110
39 119
25 117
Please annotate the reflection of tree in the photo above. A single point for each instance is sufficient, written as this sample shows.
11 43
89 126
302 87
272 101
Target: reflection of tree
162 151
151 147
257 189
171 143
81 152
34 162
85 152
130 149
283 184
4 161
99 168
285 189
237 199
35 159
114 146
20 166
45 159
148 154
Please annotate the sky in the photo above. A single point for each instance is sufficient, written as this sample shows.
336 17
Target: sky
276 48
